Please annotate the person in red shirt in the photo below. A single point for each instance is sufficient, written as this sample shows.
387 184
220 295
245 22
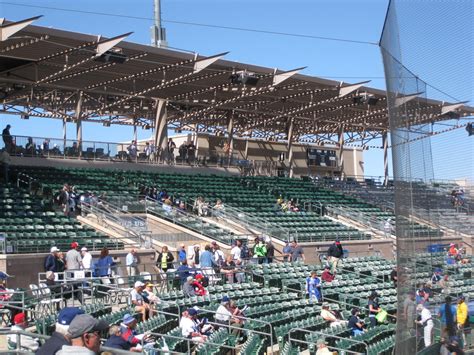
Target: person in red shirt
198 287
327 276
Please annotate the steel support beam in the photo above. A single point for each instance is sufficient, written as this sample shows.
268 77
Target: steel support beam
385 157
290 148
160 138
64 132
230 134
341 150
78 115
135 134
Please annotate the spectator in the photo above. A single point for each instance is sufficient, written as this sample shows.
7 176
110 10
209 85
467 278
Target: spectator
387 227
218 209
225 316
182 253
73 257
189 327
270 249
462 319
394 276
286 251
355 323
206 261
63 199
330 316
297 253
129 332
191 152
59 336
84 333
131 261
327 276
165 260
86 259
228 268
239 274
452 251
116 341
103 266
260 251
27 343
447 313
132 150
137 300
61 267
409 310
30 147
321 345
437 276
236 251
195 255
182 152
335 253
7 139
63 290
374 308
199 289
445 285
170 150
188 288
313 287
149 296
183 272
51 262
5 161
426 322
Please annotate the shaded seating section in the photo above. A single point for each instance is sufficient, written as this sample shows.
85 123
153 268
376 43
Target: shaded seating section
30 226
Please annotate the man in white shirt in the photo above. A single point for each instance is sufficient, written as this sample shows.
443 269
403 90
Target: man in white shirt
189 328
426 322
138 302
131 261
236 251
225 316
330 317
27 343
86 258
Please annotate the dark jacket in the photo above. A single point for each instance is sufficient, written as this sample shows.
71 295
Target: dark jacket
169 260
53 344
335 250
117 342
51 264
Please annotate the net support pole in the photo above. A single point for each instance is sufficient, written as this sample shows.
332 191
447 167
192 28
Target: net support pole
230 134
340 152
79 122
64 132
290 149
385 157
161 133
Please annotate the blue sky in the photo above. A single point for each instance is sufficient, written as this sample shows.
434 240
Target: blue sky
360 20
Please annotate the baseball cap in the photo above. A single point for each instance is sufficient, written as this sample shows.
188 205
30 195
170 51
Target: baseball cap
192 312
83 249
139 284
4 275
54 249
19 318
74 245
189 278
199 277
321 341
225 299
84 323
127 319
67 314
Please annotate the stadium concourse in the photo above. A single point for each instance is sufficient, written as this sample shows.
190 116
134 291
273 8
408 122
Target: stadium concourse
189 247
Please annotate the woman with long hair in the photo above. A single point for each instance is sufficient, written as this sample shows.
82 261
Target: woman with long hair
103 266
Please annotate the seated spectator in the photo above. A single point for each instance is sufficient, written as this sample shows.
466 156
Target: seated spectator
321 345
167 206
183 272
199 289
327 276
116 341
225 316
189 328
188 288
394 276
137 300
84 332
129 333
149 296
437 276
374 308
218 209
444 284
355 323
313 287
59 336
331 317
28 343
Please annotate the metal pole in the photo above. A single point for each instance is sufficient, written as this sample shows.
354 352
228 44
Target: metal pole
158 33
385 157
290 148
230 137
64 135
79 122
341 151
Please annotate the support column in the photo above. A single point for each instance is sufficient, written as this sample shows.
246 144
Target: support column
230 136
341 151
64 134
160 138
385 157
290 148
79 122
135 135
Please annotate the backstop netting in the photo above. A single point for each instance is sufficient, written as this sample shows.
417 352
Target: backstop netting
427 50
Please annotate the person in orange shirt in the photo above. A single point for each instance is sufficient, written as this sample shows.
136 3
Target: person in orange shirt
453 251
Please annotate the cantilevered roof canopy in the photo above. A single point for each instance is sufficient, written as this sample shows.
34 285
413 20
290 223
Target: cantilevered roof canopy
44 71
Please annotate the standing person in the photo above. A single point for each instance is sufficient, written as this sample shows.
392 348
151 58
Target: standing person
228 268
103 266
132 150
27 343
86 259
409 311
7 138
270 249
447 313
313 287
165 260
84 333
51 262
61 266
191 152
219 256
462 319
374 308
297 253
131 261
394 276
182 253
170 150
260 251
5 161
63 199
236 251
286 251
73 257
335 253
426 321
182 152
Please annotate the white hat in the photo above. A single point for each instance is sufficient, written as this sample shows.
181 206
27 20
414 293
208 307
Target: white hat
139 284
83 249
54 249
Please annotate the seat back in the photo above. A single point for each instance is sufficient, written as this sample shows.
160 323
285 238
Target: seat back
35 290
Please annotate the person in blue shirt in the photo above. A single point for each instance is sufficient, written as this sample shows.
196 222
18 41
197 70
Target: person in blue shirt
286 250
206 258
51 262
182 253
447 314
102 267
313 287
183 271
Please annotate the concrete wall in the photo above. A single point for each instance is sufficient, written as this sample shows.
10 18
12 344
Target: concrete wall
25 267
